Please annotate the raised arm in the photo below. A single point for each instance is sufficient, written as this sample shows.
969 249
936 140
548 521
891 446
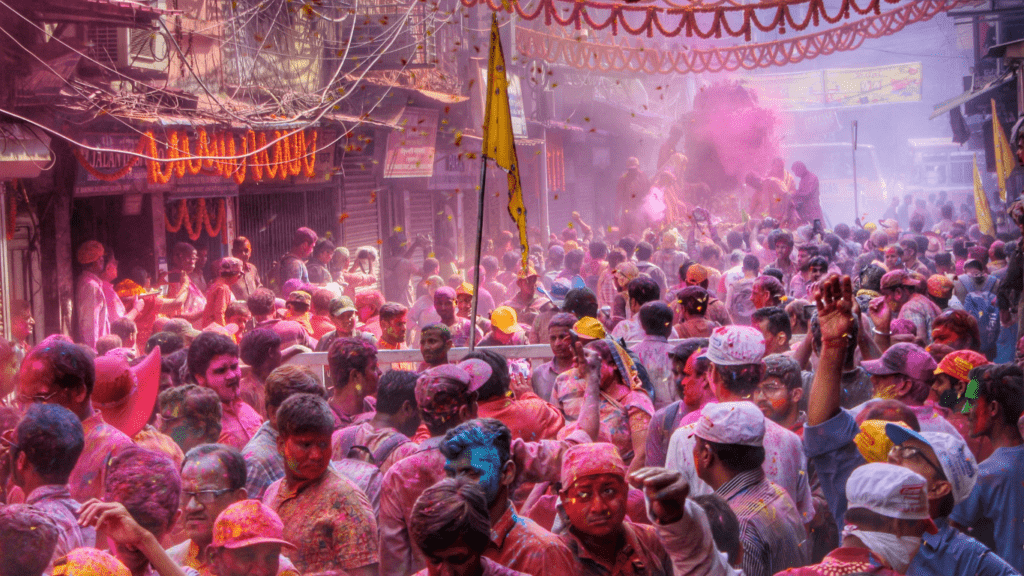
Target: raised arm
835 316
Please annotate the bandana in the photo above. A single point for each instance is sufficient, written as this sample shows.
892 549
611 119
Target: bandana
585 460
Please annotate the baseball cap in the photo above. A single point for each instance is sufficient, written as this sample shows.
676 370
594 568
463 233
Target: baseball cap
299 297
940 286
504 318
958 363
871 441
735 346
464 288
891 491
89 252
589 328
182 328
230 265
592 459
897 278
957 461
339 306
559 290
902 358
731 423
248 523
442 390
124 394
89 562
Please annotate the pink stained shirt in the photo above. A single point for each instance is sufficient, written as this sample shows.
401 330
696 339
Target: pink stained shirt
102 442
238 423
406 480
528 417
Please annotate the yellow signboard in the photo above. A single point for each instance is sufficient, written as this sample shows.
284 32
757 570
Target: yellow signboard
876 85
838 87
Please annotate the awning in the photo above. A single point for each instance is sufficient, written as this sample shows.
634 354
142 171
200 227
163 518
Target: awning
1013 49
943 107
24 153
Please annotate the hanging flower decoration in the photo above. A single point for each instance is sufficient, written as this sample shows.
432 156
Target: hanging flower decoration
288 154
625 58
202 220
689 18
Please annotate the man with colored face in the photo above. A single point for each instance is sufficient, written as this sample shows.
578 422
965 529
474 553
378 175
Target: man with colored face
214 364
780 391
212 479
393 331
594 492
62 373
560 340
992 508
435 343
905 372
241 248
900 300
343 317
325 515
355 373
525 302
480 450
460 328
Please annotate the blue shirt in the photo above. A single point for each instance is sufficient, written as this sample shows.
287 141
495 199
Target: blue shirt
954 553
996 505
830 449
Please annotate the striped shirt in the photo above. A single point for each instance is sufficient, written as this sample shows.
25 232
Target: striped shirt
771 531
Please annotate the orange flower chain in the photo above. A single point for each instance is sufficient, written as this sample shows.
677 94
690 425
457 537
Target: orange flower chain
202 220
290 154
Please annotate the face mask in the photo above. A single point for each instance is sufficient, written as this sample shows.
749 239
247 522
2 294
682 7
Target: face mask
895 550
948 399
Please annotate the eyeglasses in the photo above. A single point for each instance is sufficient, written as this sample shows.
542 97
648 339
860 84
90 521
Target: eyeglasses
204 497
770 390
904 452
38 399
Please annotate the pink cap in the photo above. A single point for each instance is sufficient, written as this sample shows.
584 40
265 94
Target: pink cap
89 562
590 460
248 523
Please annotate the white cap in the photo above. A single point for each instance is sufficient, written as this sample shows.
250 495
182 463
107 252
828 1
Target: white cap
731 423
889 490
735 346
956 460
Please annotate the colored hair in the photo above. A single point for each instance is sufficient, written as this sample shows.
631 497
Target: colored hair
230 458
348 354
148 484
452 509
304 414
289 380
72 365
51 438
482 432
199 406
1003 384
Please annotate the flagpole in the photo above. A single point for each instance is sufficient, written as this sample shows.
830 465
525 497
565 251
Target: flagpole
479 243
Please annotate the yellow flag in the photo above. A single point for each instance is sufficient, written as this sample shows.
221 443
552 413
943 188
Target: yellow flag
1004 156
499 142
981 205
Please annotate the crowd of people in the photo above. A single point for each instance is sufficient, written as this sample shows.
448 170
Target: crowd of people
757 397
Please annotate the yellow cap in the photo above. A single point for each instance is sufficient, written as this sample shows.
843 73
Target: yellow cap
872 441
589 328
504 318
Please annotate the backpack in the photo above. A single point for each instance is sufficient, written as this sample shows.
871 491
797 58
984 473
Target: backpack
980 302
365 474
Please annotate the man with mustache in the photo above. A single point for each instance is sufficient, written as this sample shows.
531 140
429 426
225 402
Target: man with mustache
212 479
213 362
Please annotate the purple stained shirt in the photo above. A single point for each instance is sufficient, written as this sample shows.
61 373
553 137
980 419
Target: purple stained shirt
102 442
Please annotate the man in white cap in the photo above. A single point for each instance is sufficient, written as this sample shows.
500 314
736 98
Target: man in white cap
888 515
951 471
728 455
942 459
735 353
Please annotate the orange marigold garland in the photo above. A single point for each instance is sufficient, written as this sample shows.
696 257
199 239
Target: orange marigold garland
290 154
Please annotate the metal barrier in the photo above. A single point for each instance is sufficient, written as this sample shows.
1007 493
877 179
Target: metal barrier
385 358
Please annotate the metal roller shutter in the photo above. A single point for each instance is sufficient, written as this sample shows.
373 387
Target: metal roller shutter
420 218
361 226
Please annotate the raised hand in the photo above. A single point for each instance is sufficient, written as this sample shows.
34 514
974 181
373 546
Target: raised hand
665 489
114 520
588 362
834 300
880 314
